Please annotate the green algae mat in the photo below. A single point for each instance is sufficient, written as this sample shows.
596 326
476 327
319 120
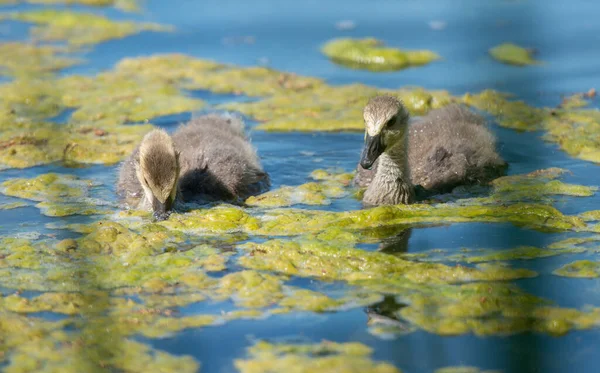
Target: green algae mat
119 281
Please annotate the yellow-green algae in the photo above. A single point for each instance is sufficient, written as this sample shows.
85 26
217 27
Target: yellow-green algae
327 108
580 268
463 369
330 186
12 205
28 60
86 277
512 54
370 54
482 256
326 356
139 89
574 130
77 28
125 5
539 186
318 259
58 194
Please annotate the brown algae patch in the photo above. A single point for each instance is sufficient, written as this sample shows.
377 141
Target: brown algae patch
28 60
77 28
512 54
579 268
322 357
371 54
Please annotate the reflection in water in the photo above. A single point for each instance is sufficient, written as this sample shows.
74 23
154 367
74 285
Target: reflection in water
384 314
396 244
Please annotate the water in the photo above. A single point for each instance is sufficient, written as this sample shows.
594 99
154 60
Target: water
287 35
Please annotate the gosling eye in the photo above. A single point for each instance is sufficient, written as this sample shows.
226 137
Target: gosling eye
391 122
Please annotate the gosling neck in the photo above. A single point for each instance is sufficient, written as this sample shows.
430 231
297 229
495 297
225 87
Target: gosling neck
391 184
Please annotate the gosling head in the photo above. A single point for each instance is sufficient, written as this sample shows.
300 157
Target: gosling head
386 120
157 171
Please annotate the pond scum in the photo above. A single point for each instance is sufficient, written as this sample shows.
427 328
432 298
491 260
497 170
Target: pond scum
124 276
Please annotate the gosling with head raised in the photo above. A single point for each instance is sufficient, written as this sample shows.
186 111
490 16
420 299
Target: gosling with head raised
208 159
446 148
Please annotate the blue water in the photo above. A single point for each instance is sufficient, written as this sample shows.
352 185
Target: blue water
287 35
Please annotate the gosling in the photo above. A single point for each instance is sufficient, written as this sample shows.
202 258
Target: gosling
446 148
208 159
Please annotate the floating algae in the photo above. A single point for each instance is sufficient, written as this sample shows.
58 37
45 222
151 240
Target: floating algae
463 369
482 256
574 130
331 186
29 60
193 74
77 28
48 187
58 194
317 259
512 54
370 54
125 5
12 205
327 108
490 309
324 357
580 268
539 186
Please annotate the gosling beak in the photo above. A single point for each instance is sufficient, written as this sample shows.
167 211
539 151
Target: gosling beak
161 211
371 151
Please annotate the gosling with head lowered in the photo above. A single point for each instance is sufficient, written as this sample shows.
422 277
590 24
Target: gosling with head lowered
208 159
446 148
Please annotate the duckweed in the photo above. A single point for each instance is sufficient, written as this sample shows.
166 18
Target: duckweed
370 54
324 356
79 29
512 54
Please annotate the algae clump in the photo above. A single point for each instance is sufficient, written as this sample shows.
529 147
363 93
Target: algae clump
125 5
79 29
370 54
580 268
29 60
329 186
324 356
512 54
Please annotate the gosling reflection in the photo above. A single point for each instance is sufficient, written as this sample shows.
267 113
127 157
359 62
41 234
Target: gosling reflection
385 315
392 239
